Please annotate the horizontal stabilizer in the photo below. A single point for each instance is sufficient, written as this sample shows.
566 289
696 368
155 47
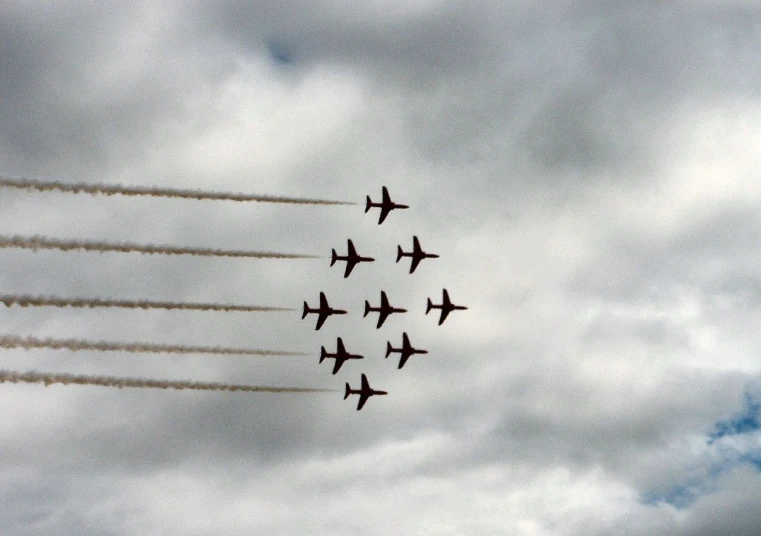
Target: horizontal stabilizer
388 349
368 205
346 392
367 309
323 354
306 311
399 253
429 307
334 257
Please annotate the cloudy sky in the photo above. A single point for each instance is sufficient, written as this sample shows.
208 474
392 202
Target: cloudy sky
588 172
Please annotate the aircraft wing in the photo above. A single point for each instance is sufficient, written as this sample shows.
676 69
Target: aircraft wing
349 267
382 316
415 261
386 197
444 314
446 302
385 209
362 399
416 245
352 251
406 341
322 317
403 359
340 348
339 362
323 301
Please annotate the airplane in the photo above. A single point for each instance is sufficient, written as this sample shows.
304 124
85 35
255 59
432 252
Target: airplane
406 350
351 258
446 307
364 392
386 205
323 311
340 356
417 254
384 310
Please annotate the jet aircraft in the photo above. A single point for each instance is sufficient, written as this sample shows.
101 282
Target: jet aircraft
351 258
323 311
386 205
340 356
384 310
446 307
364 392
417 254
406 350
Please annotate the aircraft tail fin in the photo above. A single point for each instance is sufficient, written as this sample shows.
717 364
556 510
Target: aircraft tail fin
306 310
322 354
367 309
399 253
388 349
367 205
346 392
429 307
333 257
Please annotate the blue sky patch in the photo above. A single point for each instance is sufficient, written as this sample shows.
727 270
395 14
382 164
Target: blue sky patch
724 452
749 420
280 53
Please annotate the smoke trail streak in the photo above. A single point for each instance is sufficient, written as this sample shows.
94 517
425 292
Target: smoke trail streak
120 383
40 242
52 301
115 189
76 345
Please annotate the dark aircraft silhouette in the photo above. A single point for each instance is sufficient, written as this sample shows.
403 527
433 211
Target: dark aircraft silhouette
406 350
323 311
386 205
351 258
417 254
340 356
446 307
384 310
364 392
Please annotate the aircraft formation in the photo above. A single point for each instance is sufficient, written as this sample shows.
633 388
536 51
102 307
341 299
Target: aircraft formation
384 309
323 310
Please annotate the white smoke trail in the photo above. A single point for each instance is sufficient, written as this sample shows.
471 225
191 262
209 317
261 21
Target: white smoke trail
77 345
52 301
40 242
120 383
115 189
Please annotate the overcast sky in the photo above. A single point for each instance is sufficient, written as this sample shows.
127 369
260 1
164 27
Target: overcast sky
588 172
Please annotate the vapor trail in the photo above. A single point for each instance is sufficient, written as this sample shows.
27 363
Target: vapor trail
52 301
111 381
115 189
41 242
76 345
